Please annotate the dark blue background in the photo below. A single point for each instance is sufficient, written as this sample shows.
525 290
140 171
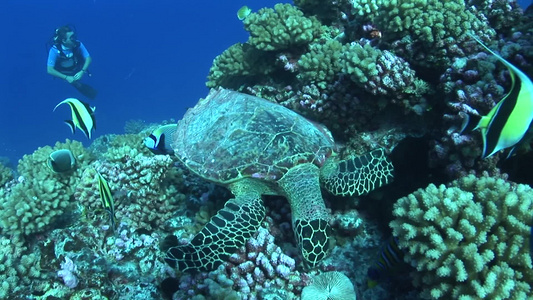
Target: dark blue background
150 62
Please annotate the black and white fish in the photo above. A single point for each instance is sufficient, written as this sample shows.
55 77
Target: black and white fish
159 140
508 121
61 161
82 116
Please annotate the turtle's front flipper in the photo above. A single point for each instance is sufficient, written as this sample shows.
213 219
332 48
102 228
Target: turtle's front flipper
358 175
310 219
228 230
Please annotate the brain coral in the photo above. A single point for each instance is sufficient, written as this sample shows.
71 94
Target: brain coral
468 240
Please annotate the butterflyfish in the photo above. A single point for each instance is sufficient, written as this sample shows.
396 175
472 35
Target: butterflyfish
508 121
107 198
159 140
61 161
243 12
82 116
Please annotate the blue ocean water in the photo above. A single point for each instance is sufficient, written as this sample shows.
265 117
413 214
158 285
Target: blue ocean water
150 62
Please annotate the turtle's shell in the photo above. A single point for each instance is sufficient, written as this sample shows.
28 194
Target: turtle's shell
230 135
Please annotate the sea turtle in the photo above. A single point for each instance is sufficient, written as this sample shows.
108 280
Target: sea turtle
256 147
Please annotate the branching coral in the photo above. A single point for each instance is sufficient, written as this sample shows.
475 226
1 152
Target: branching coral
145 188
258 270
40 196
468 240
321 64
281 28
380 72
6 174
426 32
237 63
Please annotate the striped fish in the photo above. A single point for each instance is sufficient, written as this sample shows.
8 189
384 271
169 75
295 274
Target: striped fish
388 260
159 140
82 116
508 121
107 198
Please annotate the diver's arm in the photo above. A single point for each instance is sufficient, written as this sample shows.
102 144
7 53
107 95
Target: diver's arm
88 61
52 71
79 75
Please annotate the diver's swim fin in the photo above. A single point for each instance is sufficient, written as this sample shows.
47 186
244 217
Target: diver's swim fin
85 89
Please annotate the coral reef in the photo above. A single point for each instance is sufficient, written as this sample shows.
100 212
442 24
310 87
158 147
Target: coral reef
376 73
40 197
6 174
281 28
329 285
468 239
258 270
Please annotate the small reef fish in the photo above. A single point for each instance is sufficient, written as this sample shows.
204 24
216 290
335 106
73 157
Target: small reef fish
61 161
388 261
82 116
508 121
159 140
107 198
243 12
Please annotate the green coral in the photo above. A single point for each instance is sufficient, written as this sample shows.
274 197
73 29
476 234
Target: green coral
146 188
468 240
237 63
359 62
321 65
117 147
41 196
6 174
380 72
436 26
281 28
19 268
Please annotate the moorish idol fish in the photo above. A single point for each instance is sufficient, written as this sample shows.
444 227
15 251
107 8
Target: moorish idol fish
243 12
159 140
507 122
107 198
61 161
82 116
390 257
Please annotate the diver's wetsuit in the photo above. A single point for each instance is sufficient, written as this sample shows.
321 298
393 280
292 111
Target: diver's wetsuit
67 61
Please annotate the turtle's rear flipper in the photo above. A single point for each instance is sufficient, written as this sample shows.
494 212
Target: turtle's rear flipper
358 175
228 230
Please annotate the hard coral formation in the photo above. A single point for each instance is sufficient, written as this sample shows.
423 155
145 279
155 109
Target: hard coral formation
321 64
329 286
281 28
40 197
238 63
468 240
380 72
19 268
258 270
6 174
425 32
146 189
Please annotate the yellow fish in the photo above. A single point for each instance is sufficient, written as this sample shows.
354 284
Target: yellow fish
243 12
107 198
82 116
508 121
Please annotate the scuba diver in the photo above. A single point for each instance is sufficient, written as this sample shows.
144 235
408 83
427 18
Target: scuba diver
68 59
